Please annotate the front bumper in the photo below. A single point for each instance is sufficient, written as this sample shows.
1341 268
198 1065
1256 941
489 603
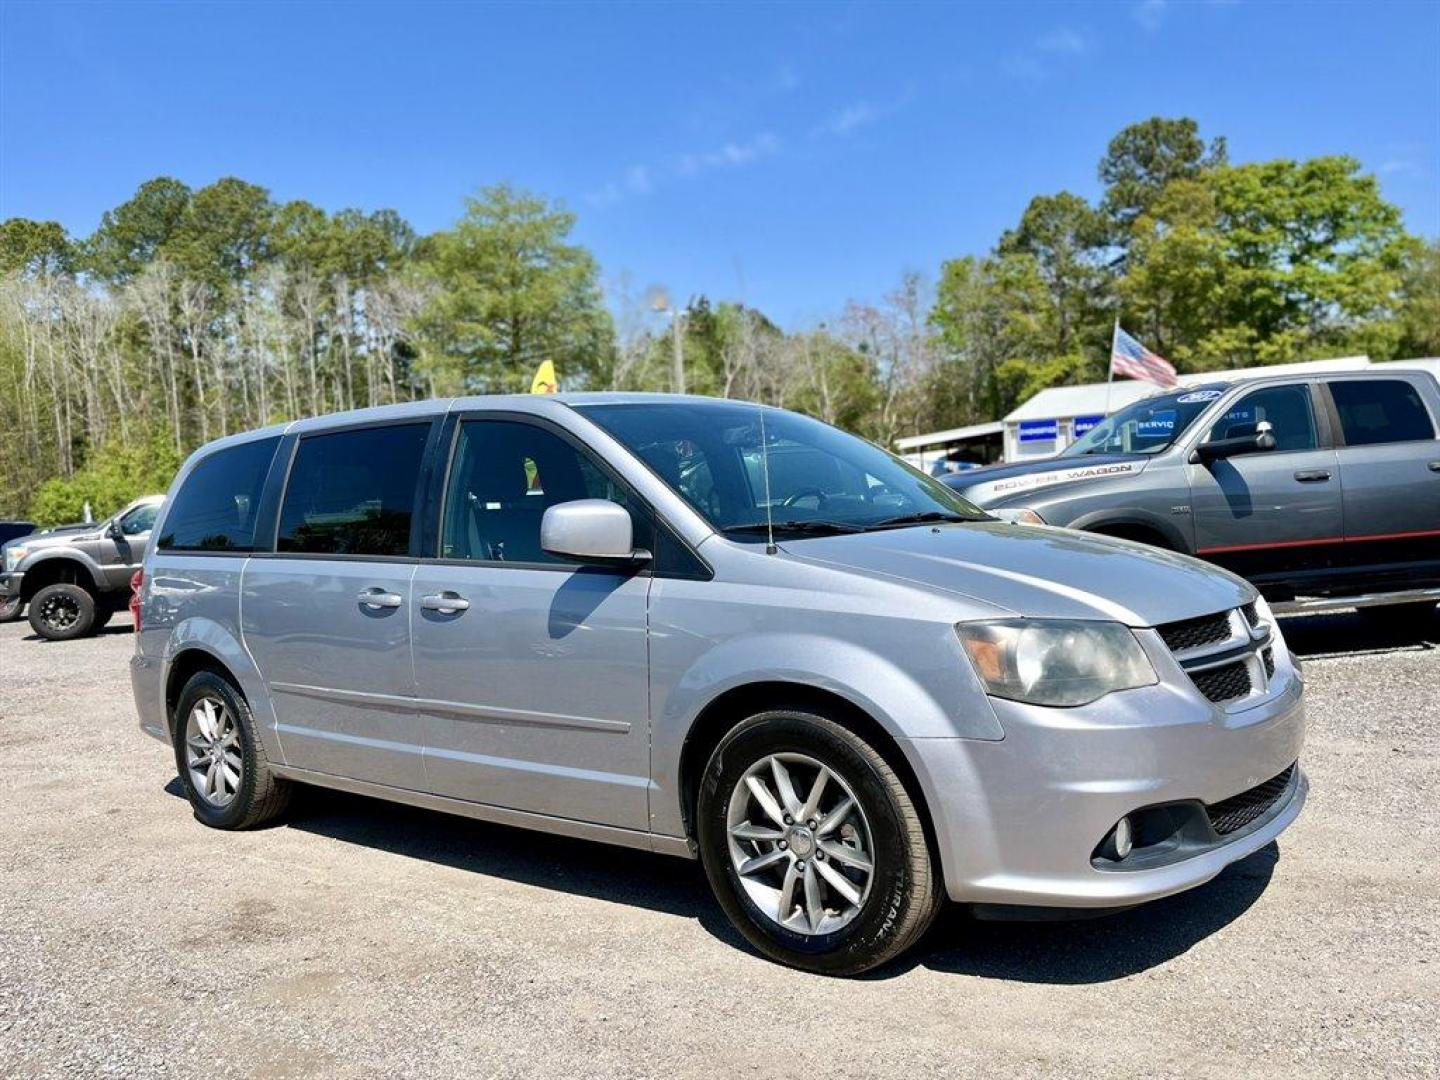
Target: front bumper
1019 820
11 583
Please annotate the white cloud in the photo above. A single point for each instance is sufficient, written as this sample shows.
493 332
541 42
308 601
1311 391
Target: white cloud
852 117
1397 165
1149 14
730 155
1065 41
637 180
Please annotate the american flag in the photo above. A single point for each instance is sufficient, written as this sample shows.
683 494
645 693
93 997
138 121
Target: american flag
1129 357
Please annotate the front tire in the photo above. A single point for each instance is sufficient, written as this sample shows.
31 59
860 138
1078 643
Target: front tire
813 846
222 762
62 612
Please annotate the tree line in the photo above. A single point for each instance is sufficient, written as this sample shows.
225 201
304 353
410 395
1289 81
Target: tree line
189 314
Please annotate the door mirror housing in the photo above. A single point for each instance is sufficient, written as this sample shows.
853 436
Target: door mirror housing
113 530
590 530
1213 450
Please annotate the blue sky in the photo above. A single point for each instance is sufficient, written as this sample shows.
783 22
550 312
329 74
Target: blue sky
794 156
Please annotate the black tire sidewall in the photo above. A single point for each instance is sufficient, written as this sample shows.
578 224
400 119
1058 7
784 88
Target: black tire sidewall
10 609
79 628
210 684
870 937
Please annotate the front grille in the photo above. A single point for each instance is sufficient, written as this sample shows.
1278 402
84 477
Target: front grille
1251 615
1196 633
1225 683
1240 810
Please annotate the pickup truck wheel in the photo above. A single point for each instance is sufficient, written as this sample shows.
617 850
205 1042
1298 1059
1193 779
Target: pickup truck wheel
222 763
813 846
10 609
62 612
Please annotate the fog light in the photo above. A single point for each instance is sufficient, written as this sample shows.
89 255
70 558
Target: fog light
1122 840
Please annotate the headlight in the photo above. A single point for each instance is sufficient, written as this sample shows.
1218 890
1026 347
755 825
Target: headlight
1018 515
13 556
1055 662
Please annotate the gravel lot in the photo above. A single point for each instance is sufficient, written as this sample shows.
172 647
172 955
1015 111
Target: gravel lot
364 939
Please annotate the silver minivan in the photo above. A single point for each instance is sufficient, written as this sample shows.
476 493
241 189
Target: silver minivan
713 630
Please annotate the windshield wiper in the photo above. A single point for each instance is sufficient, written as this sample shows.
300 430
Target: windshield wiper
817 527
919 519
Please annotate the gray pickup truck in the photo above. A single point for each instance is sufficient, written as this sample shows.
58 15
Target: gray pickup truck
75 579
1323 490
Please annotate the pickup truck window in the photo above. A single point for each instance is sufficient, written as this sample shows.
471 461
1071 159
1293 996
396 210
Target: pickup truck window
1380 411
1285 408
140 520
1146 427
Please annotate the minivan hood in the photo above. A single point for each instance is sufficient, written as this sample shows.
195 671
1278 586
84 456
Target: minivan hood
995 483
1038 571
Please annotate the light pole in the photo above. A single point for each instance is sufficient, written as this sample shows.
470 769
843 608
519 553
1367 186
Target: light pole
660 302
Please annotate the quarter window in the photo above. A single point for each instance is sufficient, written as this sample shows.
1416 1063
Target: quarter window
214 510
353 492
1285 408
504 476
1380 411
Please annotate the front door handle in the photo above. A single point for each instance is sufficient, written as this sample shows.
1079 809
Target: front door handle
1435 466
1312 476
379 598
447 603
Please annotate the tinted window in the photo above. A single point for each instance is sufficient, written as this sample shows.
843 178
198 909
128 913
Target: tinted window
215 508
1380 411
1285 408
353 492
504 476
140 520
715 456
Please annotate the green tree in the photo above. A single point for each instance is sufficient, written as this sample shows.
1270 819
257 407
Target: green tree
35 248
1143 158
119 471
132 235
224 234
513 291
1420 311
1064 236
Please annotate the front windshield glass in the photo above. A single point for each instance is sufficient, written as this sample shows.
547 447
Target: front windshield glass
820 479
1146 427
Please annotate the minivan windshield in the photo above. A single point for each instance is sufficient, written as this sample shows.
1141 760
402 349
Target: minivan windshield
1146 427
820 480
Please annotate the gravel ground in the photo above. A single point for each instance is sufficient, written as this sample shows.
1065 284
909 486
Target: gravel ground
365 939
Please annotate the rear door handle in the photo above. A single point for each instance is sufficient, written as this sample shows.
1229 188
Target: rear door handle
1312 476
379 598
447 603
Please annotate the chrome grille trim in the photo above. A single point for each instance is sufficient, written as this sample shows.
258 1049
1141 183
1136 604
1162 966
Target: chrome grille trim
1248 643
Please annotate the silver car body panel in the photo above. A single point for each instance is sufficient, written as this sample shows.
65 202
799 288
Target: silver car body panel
562 698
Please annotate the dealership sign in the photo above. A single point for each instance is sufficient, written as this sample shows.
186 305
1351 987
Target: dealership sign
1085 424
1039 430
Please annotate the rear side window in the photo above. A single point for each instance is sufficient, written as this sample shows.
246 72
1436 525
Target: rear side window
1380 411
215 508
353 492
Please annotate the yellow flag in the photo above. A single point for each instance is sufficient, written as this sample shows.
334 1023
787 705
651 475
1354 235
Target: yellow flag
545 381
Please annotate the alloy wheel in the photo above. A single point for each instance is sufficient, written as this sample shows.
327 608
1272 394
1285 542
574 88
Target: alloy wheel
60 613
212 751
806 862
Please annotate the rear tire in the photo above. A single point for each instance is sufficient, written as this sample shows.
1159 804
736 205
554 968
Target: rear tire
62 612
10 609
828 890
222 762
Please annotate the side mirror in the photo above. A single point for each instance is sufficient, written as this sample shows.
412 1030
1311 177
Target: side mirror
113 530
590 530
1262 440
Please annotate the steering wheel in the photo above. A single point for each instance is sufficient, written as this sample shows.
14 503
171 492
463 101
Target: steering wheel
806 493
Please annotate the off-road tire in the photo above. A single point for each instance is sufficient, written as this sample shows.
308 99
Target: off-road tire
262 796
10 609
62 612
905 894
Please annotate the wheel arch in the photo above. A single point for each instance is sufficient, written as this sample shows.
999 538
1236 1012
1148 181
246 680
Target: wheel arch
184 666
1145 528
57 569
734 705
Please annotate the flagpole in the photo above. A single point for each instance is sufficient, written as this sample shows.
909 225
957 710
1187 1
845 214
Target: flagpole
1114 337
